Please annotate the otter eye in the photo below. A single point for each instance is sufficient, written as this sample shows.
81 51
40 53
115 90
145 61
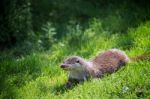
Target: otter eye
77 61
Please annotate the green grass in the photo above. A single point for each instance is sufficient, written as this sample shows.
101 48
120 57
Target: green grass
38 75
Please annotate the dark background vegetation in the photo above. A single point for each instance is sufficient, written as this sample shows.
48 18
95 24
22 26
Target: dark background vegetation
37 24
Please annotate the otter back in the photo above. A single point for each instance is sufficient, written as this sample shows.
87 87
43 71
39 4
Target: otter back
109 61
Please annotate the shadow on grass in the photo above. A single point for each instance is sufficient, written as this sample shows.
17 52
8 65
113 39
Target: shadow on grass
61 89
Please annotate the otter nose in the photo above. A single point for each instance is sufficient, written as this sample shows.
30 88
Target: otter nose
62 66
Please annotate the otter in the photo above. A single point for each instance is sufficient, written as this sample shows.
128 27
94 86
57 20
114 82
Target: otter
106 62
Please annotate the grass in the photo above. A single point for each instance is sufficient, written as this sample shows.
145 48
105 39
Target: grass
38 75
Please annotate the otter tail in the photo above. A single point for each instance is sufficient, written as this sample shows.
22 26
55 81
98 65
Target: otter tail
140 58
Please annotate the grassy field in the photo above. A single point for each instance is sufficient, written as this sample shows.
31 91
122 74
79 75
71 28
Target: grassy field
38 75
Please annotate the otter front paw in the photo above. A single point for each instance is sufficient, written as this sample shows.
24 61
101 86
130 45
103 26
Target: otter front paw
69 84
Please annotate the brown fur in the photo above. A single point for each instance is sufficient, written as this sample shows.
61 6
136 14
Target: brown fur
110 61
140 58
106 62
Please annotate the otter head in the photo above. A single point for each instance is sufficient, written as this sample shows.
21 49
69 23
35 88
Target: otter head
73 63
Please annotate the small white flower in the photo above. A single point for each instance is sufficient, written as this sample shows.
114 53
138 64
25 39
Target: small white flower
125 89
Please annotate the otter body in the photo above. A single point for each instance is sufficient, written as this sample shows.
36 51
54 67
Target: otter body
106 62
